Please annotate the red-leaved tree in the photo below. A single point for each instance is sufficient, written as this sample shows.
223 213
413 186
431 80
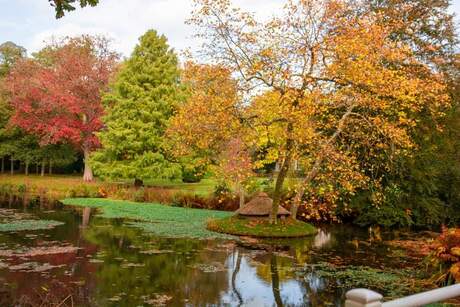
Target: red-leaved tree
57 94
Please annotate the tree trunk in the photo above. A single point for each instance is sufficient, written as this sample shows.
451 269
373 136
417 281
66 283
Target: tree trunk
43 169
36 169
306 182
3 165
138 183
278 188
282 175
12 165
88 172
51 167
26 171
241 193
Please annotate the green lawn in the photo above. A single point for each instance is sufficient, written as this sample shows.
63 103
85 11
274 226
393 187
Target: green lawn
155 218
202 188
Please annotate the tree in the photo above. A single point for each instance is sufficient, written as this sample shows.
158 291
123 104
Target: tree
426 26
206 127
59 100
142 99
332 71
203 125
236 166
62 6
419 189
10 53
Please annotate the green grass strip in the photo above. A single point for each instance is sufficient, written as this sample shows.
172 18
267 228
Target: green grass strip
261 228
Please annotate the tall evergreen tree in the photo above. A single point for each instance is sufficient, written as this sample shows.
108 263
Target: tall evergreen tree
138 108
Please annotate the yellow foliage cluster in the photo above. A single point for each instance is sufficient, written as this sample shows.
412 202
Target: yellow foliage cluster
317 84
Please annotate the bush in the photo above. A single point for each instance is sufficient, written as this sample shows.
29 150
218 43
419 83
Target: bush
83 191
255 185
446 255
6 188
139 195
221 189
22 188
192 174
391 212
158 195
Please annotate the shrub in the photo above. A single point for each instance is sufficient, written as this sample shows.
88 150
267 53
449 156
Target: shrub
6 188
221 189
83 191
446 255
158 195
139 195
22 188
192 174
258 184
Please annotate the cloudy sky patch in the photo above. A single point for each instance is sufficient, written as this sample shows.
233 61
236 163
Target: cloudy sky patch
31 22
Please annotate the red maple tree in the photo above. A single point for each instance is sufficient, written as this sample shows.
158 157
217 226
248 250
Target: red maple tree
57 95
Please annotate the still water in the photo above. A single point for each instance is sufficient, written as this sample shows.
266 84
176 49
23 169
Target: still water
92 261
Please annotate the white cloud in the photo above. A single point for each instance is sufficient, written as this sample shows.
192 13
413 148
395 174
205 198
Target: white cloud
68 29
122 20
125 21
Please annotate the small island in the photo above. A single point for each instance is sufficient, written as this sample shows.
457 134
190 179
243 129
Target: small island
252 219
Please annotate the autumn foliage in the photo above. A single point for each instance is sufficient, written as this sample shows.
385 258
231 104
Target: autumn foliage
57 95
323 82
447 252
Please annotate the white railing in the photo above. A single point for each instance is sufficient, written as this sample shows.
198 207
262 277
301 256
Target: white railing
369 298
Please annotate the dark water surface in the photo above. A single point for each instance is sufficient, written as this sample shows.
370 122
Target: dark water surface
92 261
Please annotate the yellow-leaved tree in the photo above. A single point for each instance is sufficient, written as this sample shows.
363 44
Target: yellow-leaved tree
309 84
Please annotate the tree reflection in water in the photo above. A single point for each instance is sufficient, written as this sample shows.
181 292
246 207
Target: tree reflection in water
234 275
123 266
275 281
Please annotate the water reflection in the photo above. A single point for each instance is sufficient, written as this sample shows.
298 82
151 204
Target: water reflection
117 265
322 238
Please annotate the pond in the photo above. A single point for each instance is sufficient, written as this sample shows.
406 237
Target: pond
87 260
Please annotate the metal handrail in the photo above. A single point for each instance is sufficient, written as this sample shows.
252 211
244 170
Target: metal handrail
369 298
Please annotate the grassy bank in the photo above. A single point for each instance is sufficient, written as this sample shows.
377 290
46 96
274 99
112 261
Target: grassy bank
155 218
57 187
261 228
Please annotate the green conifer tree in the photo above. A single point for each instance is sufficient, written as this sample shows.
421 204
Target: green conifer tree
139 105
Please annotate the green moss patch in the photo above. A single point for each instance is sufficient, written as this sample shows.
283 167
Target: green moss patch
393 283
261 228
23 225
158 219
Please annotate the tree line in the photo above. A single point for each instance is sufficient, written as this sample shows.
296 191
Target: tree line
361 96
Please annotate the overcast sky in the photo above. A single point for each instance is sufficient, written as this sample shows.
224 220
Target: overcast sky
31 22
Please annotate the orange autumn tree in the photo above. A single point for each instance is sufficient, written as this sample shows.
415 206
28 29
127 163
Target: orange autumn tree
208 119
207 128
328 71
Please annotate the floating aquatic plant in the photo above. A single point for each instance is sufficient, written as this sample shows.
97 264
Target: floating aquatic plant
23 225
161 220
